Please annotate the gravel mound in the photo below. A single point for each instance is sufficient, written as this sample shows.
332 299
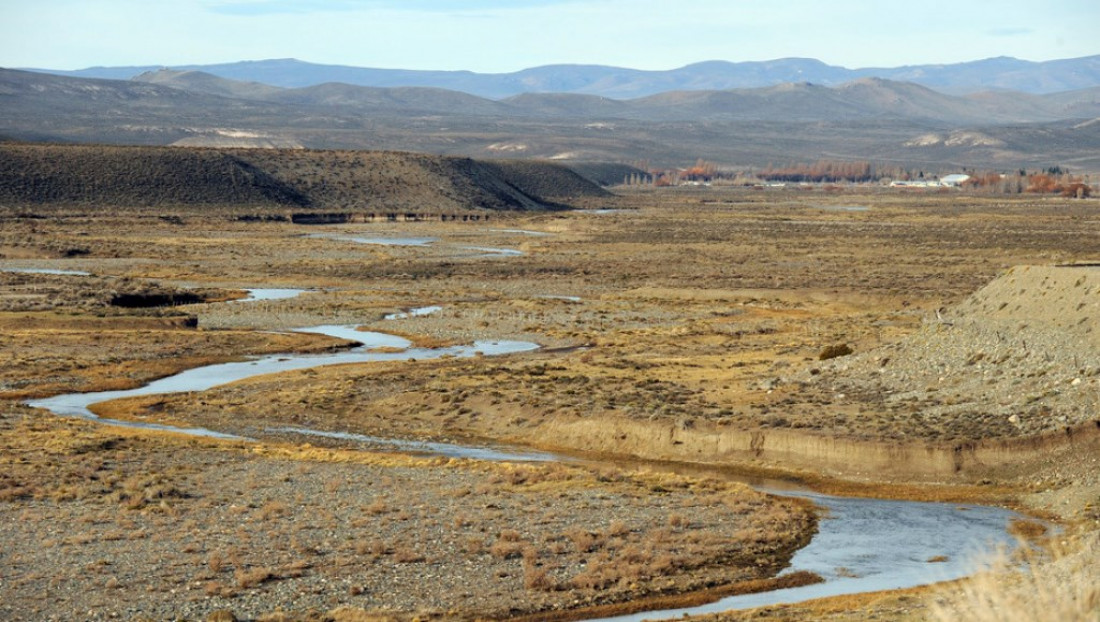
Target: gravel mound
1019 357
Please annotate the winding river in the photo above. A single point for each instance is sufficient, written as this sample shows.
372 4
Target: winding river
375 347
862 545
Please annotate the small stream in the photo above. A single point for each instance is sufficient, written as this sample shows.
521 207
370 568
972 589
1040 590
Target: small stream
870 545
376 347
46 271
256 294
449 450
417 312
487 251
534 234
476 251
380 241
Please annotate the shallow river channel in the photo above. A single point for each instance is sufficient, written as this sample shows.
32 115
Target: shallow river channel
863 545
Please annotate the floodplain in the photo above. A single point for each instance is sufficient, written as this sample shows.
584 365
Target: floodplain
781 333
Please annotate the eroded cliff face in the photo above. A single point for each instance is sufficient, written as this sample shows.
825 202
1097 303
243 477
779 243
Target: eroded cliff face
789 449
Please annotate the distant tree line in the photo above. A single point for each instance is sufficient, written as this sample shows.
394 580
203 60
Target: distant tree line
1051 180
822 171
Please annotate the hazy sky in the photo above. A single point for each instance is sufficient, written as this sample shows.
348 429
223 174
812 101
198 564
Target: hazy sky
507 35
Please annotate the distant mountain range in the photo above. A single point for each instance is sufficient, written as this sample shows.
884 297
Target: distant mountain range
866 119
1001 73
863 99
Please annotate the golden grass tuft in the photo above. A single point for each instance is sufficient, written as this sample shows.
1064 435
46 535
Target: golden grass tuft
253 577
351 614
1062 585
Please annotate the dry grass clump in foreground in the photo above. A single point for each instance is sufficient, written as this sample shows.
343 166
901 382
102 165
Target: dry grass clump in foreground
1060 585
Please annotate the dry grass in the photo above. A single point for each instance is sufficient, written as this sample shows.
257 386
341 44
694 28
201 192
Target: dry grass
228 518
1060 585
252 577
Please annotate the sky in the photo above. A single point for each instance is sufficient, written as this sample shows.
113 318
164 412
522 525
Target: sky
498 36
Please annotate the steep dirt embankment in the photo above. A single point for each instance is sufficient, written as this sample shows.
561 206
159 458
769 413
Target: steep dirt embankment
361 181
789 449
1006 376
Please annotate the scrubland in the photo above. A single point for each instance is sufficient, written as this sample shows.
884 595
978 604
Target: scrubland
683 318
108 523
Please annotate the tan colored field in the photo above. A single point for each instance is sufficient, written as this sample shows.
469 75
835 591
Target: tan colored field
681 328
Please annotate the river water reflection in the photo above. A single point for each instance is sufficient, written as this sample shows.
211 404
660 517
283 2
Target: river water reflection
870 545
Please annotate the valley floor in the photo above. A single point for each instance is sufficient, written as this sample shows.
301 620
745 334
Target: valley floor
680 326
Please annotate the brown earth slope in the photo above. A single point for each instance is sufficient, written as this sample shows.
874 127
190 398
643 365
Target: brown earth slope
48 174
361 180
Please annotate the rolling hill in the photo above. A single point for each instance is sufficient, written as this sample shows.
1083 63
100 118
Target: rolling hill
800 101
363 181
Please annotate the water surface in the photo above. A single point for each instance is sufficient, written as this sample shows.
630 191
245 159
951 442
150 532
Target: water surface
538 234
391 241
450 450
560 297
269 293
869 545
493 252
417 312
46 271
201 378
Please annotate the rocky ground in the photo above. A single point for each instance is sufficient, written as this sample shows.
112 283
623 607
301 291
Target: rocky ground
103 524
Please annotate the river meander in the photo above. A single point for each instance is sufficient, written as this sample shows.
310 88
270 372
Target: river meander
862 545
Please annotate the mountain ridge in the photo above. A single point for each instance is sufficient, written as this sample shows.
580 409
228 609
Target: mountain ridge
869 119
867 97
999 73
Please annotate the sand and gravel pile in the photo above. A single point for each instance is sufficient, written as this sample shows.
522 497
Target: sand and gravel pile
1019 357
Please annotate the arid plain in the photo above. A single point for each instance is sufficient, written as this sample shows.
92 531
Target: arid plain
870 342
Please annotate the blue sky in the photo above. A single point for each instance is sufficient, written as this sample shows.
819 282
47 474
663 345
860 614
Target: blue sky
508 35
